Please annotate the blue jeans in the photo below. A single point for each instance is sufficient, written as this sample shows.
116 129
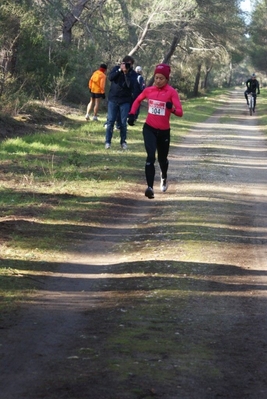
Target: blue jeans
113 109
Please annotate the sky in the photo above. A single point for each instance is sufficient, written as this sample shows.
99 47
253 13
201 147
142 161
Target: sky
245 5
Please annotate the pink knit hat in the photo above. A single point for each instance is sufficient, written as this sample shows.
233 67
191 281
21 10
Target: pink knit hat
164 69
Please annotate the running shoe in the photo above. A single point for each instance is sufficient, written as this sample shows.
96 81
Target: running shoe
149 193
163 185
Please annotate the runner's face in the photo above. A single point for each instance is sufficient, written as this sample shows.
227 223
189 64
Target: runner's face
160 80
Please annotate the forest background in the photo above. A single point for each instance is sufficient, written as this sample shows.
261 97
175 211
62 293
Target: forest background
49 48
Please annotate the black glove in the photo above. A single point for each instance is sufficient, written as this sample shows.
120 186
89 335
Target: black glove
131 119
169 104
258 92
103 96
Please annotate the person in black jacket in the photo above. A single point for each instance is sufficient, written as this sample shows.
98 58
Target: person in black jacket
123 91
252 86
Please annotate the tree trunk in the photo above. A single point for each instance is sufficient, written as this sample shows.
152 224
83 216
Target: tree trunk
73 16
175 41
70 20
205 86
197 80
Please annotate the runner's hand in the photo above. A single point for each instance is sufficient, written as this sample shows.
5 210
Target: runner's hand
169 104
131 119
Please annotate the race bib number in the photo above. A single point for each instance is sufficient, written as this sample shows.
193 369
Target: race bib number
156 107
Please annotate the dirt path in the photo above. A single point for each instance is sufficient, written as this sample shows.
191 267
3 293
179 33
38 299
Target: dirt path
167 298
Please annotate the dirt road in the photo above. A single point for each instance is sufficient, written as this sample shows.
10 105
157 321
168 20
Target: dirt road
167 298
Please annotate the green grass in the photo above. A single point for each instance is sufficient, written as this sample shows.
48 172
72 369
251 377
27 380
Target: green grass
162 325
261 110
53 185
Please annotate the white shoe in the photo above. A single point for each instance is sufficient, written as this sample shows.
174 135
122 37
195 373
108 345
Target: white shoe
107 146
87 117
163 185
95 118
124 146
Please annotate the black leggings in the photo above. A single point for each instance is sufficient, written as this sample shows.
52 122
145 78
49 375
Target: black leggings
156 140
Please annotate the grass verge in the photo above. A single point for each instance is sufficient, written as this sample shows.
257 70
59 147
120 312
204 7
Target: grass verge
57 183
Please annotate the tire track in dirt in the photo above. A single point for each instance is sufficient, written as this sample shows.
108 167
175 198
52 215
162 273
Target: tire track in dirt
210 230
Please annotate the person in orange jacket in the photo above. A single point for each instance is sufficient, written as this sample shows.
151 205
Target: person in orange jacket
96 85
